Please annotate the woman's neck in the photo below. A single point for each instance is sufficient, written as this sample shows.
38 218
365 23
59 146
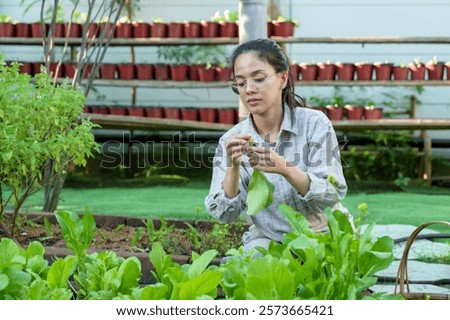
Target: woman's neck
268 125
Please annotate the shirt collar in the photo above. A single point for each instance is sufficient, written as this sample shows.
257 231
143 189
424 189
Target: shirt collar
288 124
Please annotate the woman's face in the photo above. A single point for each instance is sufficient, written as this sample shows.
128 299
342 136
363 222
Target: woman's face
259 85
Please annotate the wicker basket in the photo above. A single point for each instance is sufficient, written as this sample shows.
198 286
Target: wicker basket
402 274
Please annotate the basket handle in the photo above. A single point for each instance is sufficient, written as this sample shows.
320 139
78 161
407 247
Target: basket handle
402 274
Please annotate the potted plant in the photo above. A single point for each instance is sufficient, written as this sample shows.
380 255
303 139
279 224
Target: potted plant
227 115
335 112
118 110
144 71
107 71
177 57
417 69
155 112
141 29
208 114
124 28
192 29
364 71
400 72
190 114
125 71
7 28
294 69
308 71
326 71
136 111
435 69
371 112
209 29
207 57
354 112
175 30
284 26
383 70
23 30
172 113
158 28
227 23
345 71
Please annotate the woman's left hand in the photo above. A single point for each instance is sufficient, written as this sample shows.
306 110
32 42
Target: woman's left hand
266 159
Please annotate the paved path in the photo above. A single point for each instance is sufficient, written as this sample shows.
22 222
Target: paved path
424 277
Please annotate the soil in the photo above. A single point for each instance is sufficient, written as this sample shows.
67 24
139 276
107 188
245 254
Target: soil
132 236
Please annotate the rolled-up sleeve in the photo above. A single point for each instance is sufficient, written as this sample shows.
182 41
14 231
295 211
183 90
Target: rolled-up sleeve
217 203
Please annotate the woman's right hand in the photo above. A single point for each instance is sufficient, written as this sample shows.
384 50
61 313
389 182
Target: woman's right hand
236 147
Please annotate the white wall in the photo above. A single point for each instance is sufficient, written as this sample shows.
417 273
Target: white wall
318 18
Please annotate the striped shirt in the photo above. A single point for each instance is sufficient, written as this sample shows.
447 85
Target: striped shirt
306 139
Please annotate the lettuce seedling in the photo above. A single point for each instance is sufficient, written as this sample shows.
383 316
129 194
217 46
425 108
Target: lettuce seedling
260 190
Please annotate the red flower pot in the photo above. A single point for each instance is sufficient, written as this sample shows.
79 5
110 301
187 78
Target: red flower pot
38 29
335 113
136 111
206 75
154 112
26 67
124 30
269 29
354 112
69 70
172 113
283 29
435 71
87 70
223 73
100 110
87 109
228 29
23 30
345 71
158 30
191 29
144 71
227 116
178 72
162 72
208 114
175 30
37 67
7 29
72 31
326 71
373 113
141 30
417 71
125 71
193 72
53 66
106 28
383 71
400 73
308 72
294 71
189 114
119 111
59 31
364 71
94 30
209 29
108 71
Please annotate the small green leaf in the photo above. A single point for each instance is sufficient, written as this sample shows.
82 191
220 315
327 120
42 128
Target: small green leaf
260 193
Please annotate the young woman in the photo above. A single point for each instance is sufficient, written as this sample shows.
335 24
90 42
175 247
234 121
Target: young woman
295 147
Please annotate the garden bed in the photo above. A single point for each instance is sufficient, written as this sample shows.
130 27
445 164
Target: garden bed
132 236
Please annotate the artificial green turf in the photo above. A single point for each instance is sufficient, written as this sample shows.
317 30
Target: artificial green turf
415 207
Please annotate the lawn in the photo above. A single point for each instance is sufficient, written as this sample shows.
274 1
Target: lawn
414 206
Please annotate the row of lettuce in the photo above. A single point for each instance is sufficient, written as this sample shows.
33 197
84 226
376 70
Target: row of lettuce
337 265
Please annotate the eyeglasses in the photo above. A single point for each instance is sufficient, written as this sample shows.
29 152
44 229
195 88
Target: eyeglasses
257 83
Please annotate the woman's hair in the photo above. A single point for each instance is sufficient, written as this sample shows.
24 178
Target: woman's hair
269 51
